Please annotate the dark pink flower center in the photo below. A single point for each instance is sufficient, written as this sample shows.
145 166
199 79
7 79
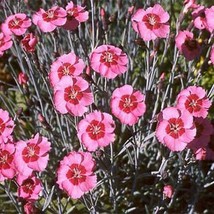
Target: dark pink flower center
72 12
65 70
152 21
73 94
76 174
108 58
28 186
96 130
175 127
128 103
5 159
191 44
15 23
2 126
31 153
50 15
193 103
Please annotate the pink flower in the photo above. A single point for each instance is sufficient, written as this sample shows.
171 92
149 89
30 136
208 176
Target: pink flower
29 208
75 15
187 45
30 188
65 65
72 95
16 24
5 43
212 55
168 191
204 129
151 23
6 126
32 155
188 4
199 18
48 20
96 130
109 61
194 100
175 128
209 13
29 42
7 168
127 104
22 78
75 174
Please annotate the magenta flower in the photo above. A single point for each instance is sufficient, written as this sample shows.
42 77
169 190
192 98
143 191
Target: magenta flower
16 24
127 105
199 18
30 188
168 191
75 15
194 100
32 155
6 126
5 43
151 23
66 65
29 208
75 174
96 130
29 42
175 128
187 45
48 20
22 78
7 168
72 95
109 61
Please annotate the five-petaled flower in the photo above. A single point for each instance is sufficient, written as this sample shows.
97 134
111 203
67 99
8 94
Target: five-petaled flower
127 104
5 43
75 174
109 61
151 23
175 128
194 100
96 130
16 24
72 95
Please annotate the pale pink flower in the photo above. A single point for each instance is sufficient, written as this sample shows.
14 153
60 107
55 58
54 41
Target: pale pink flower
175 128
49 20
32 155
5 43
109 61
212 55
209 13
30 188
75 174
6 126
75 15
151 23
66 65
194 100
7 168
188 4
187 45
168 191
72 95
96 130
16 24
22 78
29 42
127 104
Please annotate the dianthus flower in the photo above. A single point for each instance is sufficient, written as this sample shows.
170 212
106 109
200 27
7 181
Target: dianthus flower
30 188
175 128
75 15
199 18
96 130
29 42
16 24
151 23
29 208
75 174
48 20
188 4
6 126
187 45
127 104
194 100
5 43
72 95
109 61
66 65
22 78
209 13
168 191
7 168
32 155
